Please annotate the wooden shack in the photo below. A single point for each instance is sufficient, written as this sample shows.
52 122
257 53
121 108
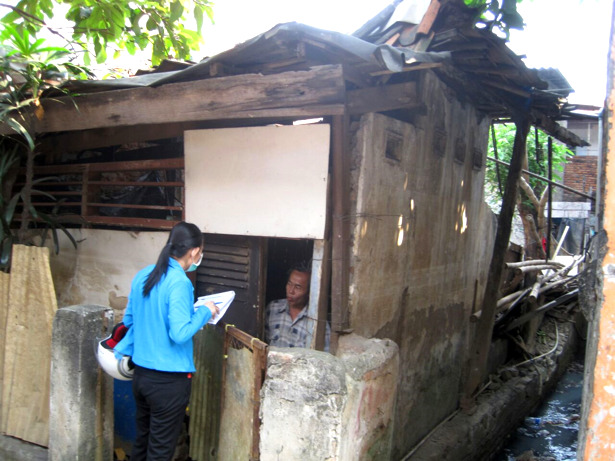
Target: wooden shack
382 189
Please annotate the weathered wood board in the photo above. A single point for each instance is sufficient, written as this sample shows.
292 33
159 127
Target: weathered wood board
236 426
27 354
4 311
313 93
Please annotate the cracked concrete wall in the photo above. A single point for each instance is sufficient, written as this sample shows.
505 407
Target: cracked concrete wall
420 223
316 406
372 370
102 267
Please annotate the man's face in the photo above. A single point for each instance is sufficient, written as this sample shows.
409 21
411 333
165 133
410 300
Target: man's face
297 289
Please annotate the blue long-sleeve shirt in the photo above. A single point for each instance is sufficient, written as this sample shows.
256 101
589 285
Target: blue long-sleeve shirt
161 325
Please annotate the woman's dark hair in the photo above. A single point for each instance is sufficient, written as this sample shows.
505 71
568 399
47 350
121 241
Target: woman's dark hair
184 236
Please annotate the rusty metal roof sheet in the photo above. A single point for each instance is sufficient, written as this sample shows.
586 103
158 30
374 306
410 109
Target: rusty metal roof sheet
474 62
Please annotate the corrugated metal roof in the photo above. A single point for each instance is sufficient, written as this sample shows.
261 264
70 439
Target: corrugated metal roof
274 45
474 62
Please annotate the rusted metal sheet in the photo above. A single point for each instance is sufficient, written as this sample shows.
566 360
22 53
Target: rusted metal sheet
204 409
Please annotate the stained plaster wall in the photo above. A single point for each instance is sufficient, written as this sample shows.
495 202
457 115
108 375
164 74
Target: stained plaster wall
101 269
422 237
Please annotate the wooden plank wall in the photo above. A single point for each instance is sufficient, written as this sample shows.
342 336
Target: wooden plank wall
4 311
27 345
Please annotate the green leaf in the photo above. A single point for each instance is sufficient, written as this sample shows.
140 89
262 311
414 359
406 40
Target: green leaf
9 211
33 211
10 17
158 50
19 128
43 193
198 17
210 13
177 9
54 224
130 47
134 22
513 20
151 24
101 56
5 252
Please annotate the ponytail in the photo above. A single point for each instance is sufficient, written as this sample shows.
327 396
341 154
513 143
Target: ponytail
183 237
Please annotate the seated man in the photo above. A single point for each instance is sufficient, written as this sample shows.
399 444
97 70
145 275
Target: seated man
286 320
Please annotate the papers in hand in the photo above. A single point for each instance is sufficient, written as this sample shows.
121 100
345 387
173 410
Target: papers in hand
221 300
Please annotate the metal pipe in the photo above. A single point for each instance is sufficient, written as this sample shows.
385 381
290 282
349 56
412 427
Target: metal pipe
542 178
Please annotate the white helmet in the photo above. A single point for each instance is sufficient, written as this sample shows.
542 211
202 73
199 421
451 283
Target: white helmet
121 369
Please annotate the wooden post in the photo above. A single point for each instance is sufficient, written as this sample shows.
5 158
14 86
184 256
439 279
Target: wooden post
482 338
549 185
340 229
319 292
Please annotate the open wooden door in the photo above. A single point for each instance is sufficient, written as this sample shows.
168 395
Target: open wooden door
229 263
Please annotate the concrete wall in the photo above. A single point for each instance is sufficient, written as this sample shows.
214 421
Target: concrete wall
597 430
317 406
102 267
81 397
422 239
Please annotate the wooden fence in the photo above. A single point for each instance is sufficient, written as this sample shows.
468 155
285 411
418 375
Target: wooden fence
144 193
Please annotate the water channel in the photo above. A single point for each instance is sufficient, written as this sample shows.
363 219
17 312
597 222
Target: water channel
551 432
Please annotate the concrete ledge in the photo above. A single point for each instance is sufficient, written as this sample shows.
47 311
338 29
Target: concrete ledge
301 405
499 410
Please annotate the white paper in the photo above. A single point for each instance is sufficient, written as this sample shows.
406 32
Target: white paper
221 300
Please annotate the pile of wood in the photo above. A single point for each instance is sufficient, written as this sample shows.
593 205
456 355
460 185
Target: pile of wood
551 285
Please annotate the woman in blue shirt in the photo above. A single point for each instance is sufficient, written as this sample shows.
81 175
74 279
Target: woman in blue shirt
162 321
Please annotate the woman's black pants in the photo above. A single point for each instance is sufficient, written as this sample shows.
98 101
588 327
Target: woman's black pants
161 399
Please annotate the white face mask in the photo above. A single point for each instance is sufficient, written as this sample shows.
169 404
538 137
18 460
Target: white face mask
194 266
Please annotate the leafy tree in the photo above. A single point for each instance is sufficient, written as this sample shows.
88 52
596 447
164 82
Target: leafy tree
501 15
100 25
532 199
27 69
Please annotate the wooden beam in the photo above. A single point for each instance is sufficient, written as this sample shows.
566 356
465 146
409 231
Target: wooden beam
316 92
75 141
428 18
134 165
484 331
319 291
340 238
132 222
549 126
382 98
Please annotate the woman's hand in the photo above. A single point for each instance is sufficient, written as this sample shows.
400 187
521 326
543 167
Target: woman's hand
213 308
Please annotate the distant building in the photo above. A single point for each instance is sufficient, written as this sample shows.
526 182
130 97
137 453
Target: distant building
572 210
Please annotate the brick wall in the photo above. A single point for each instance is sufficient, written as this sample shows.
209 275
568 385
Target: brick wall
580 174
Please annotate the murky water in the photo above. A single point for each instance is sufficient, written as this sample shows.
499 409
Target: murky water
551 432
